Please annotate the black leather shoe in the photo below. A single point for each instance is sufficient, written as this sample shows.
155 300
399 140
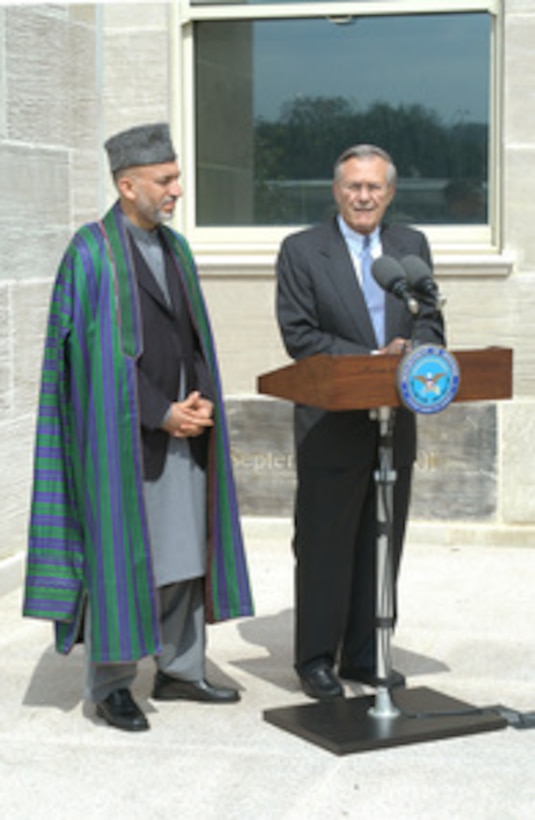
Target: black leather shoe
121 711
168 688
363 675
321 683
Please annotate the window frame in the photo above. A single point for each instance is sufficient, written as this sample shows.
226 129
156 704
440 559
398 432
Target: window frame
250 245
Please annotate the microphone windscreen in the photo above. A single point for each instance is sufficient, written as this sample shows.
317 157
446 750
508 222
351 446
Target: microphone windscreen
416 269
386 271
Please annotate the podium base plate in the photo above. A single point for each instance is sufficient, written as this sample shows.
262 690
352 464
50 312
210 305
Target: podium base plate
344 725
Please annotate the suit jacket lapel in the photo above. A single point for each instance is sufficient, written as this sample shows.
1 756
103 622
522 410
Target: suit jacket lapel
393 244
345 281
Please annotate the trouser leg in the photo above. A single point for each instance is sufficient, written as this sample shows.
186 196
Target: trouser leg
183 632
327 511
104 678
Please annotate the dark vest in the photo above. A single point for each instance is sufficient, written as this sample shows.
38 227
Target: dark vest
170 345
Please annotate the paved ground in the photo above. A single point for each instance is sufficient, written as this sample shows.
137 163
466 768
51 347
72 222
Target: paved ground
466 630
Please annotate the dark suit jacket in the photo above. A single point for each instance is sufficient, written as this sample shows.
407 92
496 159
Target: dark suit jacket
321 309
169 342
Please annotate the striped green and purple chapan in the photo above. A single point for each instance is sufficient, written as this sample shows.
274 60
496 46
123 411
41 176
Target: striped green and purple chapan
54 581
88 529
90 521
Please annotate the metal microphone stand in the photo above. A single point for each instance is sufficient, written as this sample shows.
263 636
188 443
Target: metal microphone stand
385 479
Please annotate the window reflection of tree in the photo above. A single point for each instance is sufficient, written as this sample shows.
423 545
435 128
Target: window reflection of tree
294 156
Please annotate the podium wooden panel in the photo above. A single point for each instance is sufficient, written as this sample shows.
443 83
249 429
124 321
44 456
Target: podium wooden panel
365 382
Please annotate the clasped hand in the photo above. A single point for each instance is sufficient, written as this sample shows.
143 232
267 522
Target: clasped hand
190 417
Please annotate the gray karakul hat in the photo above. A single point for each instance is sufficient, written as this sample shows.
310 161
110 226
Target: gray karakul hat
142 145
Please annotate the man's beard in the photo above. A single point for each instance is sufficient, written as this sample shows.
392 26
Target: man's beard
164 216
154 214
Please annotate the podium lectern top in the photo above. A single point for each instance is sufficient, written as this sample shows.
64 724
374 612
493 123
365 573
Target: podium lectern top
364 382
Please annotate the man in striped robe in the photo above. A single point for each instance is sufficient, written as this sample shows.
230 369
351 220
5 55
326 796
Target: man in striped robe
134 535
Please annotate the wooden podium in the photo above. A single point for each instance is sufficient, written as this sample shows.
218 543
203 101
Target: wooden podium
337 383
368 382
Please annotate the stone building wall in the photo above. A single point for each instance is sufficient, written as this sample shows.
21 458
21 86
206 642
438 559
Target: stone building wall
70 75
49 129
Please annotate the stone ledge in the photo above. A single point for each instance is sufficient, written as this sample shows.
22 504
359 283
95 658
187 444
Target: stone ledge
249 262
455 477
420 533
470 534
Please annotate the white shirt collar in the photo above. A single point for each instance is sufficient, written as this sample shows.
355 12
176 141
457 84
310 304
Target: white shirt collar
355 240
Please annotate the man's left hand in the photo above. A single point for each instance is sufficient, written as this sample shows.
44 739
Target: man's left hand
397 347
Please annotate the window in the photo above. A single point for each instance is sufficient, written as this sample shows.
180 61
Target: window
279 92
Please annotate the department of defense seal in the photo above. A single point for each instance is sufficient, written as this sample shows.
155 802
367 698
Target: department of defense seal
428 379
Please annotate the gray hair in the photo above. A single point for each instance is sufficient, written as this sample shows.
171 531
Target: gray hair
364 152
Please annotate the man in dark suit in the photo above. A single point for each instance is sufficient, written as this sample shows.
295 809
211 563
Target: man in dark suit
324 306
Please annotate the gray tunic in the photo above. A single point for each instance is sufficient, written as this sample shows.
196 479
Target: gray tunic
176 502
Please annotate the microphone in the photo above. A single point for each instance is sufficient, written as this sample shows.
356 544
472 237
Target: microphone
420 278
390 275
